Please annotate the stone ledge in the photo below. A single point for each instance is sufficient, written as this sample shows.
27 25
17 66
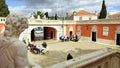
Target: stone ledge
84 59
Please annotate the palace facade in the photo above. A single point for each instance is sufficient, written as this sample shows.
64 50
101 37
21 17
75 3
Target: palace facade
90 28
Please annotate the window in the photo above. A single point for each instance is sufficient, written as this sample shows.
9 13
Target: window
80 18
4 19
105 30
90 18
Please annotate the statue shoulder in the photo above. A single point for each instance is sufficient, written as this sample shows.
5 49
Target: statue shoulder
21 49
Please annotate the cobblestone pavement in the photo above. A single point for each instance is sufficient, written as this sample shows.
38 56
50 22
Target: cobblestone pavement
57 51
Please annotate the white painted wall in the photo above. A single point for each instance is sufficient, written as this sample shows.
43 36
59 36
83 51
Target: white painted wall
27 33
85 17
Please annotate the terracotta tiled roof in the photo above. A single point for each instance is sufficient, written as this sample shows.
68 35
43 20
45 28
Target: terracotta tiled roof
115 15
71 14
83 12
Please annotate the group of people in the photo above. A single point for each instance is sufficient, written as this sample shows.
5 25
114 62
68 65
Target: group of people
71 38
37 49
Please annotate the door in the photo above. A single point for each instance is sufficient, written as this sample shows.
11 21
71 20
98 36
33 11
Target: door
51 34
94 36
45 33
118 39
33 35
70 33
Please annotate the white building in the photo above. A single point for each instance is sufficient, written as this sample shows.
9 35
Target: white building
83 15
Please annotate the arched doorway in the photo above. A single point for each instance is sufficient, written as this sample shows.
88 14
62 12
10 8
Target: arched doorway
94 33
118 36
49 33
37 34
94 36
33 35
70 31
43 33
118 39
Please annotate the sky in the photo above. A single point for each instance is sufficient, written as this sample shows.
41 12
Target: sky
61 7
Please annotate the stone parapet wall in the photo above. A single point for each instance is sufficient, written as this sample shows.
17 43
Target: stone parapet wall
104 58
100 21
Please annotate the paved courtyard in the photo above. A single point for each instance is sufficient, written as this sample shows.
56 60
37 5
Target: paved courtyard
57 51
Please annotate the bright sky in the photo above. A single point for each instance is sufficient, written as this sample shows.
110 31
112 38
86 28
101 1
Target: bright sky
61 6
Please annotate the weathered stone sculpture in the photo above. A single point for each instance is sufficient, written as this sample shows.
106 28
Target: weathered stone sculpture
13 53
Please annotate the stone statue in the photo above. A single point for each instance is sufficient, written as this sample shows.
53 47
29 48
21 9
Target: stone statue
13 52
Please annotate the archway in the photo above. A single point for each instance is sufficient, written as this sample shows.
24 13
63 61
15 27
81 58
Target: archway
33 35
43 33
37 34
94 33
71 31
49 33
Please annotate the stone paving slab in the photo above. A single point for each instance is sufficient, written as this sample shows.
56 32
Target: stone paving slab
57 51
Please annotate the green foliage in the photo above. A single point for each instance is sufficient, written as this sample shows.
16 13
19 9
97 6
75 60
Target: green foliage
56 17
3 9
52 17
46 14
61 18
103 12
24 41
35 14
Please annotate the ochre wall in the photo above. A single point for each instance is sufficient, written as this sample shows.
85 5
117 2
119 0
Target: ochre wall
111 33
1 27
49 29
74 29
86 30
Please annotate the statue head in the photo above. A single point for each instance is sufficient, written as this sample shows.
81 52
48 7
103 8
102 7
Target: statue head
15 24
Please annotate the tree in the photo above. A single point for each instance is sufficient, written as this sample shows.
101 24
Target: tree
35 14
56 16
52 17
3 9
103 12
47 15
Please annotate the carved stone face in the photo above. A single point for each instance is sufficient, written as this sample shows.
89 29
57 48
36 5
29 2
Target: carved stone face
14 25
